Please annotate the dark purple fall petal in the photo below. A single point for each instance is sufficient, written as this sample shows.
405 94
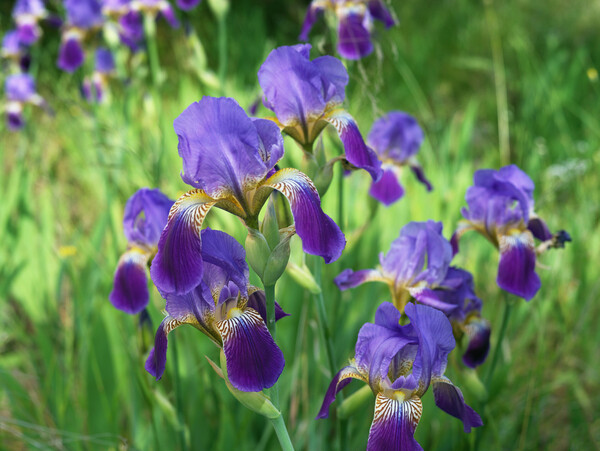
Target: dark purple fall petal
257 301
450 399
157 360
29 33
312 15
319 233
354 39
340 380
14 120
539 229
71 55
516 270
177 267
356 150
130 289
478 333
254 361
387 190
187 5
394 424
420 175
380 12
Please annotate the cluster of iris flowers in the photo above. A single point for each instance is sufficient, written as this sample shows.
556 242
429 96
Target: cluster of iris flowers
82 25
231 161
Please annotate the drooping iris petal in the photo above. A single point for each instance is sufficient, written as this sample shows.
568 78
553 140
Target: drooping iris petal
478 332
394 424
187 5
449 398
539 229
157 360
130 289
169 15
516 270
420 175
257 301
177 266
387 190
71 55
254 361
350 279
340 380
131 29
313 13
146 214
218 143
380 12
195 307
356 150
14 120
354 39
319 233
433 298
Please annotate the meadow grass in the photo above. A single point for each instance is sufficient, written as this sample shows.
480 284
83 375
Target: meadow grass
490 82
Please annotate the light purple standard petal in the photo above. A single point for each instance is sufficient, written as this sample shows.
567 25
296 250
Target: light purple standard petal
130 289
19 87
84 13
298 89
187 5
354 39
254 361
387 190
450 399
71 55
219 145
319 233
394 424
29 7
177 267
145 217
397 136
356 150
378 10
11 44
516 270
350 279
313 13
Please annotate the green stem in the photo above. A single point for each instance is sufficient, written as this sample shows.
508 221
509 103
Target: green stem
322 316
178 397
270 296
496 355
341 199
282 433
222 27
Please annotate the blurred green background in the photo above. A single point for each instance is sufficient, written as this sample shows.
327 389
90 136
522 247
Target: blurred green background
490 82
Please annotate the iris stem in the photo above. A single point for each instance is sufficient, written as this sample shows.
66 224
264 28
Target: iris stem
282 434
270 299
496 356
322 316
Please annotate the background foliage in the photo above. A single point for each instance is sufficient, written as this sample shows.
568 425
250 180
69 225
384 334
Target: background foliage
490 82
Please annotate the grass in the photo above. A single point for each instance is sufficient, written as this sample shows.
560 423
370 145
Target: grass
71 366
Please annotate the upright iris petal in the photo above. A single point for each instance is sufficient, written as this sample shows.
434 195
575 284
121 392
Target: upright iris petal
399 363
501 208
396 137
27 14
144 218
20 90
221 307
307 95
230 158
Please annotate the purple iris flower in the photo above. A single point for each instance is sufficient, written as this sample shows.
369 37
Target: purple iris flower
156 7
27 14
417 266
115 8
230 312
19 90
82 17
145 216
93 89
187 5
229 159
355 23
500 207
11 45
400 363
307 95
396 137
